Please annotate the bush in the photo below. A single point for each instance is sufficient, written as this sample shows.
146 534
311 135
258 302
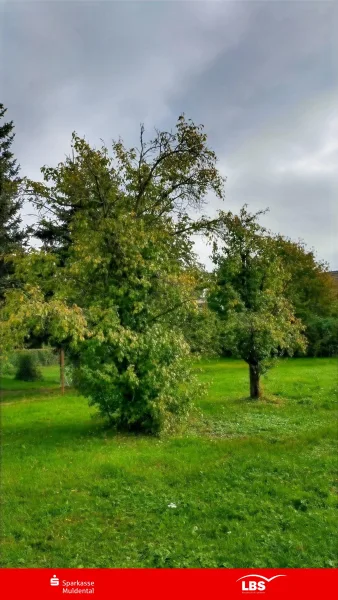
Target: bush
139 381
27 369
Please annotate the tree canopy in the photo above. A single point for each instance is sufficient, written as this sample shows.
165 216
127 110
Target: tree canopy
258 320
314 295
117 274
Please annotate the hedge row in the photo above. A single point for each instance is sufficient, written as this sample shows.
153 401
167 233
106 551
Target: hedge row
43 357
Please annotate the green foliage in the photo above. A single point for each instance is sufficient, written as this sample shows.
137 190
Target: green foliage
314 295
11 234
260 336
26 311
140 382
116 295
201 330
46 357
155 184
6 367
258 320
322 336
27 369
310 287
43 357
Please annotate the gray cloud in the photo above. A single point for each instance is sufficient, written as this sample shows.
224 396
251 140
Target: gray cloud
261 76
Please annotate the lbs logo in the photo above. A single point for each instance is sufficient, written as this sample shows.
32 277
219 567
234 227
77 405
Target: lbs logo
250 584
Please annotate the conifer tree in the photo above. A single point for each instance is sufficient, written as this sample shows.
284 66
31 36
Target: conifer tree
12 236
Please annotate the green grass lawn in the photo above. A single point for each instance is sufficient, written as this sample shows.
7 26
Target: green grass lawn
253 483
9 385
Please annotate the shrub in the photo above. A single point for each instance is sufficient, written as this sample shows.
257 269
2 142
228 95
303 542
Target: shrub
140 382
27 369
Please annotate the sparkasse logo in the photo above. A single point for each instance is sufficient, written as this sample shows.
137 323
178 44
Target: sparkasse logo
250 585
76 586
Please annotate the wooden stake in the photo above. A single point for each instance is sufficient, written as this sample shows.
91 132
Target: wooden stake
62 370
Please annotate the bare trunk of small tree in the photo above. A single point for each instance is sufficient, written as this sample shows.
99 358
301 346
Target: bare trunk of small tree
255 389
62 370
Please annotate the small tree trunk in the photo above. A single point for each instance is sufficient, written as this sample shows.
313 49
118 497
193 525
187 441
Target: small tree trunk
62 370
255 389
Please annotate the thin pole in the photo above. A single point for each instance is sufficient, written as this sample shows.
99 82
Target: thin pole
62 370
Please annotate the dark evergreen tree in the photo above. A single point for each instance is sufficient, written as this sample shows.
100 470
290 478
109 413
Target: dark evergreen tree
12 236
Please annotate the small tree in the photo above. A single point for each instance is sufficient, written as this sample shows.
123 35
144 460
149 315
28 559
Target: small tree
258 321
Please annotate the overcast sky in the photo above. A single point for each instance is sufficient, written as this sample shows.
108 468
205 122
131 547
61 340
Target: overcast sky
261 76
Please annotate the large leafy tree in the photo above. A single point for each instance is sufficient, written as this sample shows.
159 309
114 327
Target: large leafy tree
258 320
162 180
11 234
311 288
115 287
313 293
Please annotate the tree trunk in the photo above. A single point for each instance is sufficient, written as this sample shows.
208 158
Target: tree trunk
255 390
62 370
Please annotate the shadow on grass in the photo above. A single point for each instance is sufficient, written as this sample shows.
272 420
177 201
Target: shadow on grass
34 394
47 433
262 401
